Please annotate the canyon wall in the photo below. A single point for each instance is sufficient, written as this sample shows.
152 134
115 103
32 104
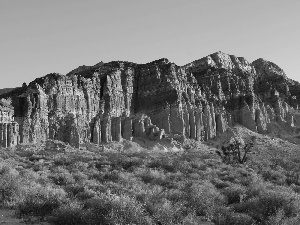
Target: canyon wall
116 100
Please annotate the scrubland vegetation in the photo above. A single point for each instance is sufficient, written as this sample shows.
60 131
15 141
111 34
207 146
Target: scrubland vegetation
95 186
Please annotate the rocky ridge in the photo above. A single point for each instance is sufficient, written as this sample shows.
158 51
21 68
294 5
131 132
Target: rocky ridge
116 100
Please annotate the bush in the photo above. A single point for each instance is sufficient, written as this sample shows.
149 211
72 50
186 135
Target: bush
152 176
86 194
80 177
62 177
191 219
169 213
69 214
39 200
74 189
220 184
204 198
234 193
292 178
226 217
274 176
10 184
268 203
115 209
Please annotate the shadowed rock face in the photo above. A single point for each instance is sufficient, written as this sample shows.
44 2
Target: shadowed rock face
116 100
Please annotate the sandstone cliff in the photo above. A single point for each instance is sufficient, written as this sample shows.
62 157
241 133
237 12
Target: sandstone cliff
116 100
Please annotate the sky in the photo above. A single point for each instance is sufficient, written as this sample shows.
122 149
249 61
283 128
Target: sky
38 37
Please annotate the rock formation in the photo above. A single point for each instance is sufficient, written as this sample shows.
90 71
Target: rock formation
9 129
121 100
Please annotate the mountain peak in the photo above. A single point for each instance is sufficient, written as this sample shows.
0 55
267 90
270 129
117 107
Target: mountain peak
266 68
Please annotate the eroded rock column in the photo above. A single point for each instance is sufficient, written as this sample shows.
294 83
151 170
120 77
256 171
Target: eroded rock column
192 123
106 130
4 139
220 123
127 128
97 132
116 129
199 123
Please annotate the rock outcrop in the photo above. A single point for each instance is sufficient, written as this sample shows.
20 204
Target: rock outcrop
121 100
9 129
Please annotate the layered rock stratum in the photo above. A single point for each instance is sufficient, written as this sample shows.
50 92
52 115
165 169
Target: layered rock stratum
121 100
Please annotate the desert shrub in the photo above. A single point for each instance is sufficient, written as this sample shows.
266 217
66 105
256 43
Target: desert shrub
126 210
286 221
6 168
109 176
199 165
29 174
204 198
293 178
86 194
234 193
235 174
224 216
164 163
80 166
272 201
41 200
295 188
81 156
151 175
227 176
62 160
94 185
191 219
130 163
70 213
9 189
42 178
277 218
79 176
25 151
115 209
61 176
169 213
256 186
10 184
268 203
74 189
149 193
175 195
220 183
274 176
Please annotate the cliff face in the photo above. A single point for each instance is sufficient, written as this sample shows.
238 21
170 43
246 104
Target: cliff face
111 101
9 129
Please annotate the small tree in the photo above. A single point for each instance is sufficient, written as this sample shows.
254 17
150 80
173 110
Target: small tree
235 152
